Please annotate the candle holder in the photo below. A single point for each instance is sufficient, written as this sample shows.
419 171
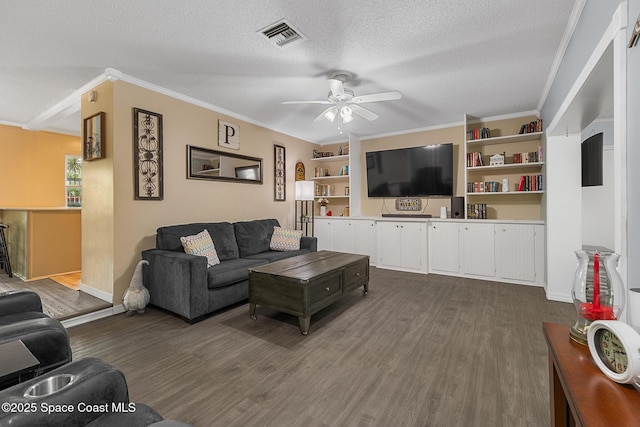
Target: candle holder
597 292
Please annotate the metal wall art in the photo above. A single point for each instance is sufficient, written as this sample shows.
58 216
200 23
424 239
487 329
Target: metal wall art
147 155
279 173
94 136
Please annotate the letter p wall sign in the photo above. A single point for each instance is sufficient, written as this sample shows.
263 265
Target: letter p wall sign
228 135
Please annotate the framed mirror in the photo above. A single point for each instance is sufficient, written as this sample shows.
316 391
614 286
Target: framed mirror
203 163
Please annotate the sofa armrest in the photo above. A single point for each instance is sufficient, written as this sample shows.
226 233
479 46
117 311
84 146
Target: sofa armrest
19 301
310 243
177 282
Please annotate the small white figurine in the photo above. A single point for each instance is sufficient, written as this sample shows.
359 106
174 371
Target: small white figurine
136 297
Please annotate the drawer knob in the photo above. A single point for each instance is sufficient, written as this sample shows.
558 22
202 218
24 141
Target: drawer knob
327 289
357 274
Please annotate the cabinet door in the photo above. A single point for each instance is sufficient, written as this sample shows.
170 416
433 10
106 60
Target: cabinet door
478 249
365 239
515 250
444 247
389 244
413 245
343 236
323 230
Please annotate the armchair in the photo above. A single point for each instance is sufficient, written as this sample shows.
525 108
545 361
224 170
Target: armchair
21 318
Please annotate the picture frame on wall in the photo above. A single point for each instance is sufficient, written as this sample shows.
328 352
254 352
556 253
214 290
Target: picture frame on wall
147 155
279 173
93 137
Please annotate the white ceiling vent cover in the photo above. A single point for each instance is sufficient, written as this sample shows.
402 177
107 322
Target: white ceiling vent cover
282 34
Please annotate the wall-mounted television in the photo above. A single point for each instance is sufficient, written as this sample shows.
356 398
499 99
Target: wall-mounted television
411 172
592 161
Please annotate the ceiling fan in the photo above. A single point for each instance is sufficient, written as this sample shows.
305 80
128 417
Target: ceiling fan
344 103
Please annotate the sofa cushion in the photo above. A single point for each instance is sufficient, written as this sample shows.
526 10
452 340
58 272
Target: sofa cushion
222 234
201 244
254 236
272 256
285 240
231 271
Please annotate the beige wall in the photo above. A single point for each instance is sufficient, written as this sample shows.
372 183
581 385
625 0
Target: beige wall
430 205
32 167
116 228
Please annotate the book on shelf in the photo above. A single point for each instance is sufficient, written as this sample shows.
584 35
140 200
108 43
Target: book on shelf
483 187
324 190
481 133
528 157
476 211
474 159
530 183
531 127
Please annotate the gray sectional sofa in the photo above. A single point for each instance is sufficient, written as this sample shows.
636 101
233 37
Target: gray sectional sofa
182 283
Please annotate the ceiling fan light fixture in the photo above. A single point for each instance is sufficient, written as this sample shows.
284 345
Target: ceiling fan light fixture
346 114
330 114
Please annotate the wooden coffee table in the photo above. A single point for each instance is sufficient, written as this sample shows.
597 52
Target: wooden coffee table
306 284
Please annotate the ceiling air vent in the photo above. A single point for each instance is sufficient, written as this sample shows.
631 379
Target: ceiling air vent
282 34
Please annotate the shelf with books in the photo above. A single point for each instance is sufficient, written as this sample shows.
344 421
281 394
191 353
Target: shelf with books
510 164
330 174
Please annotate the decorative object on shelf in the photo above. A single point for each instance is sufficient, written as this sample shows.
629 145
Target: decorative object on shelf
279 173
300 173
615 347
228 135
635 35
347 191
203 163
505 185
496 159
147 155
597 293
323 202
93 139
409 204
343 150
346 211
304 195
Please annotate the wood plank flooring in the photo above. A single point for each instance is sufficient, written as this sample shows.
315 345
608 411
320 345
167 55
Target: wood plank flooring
58 301
418 350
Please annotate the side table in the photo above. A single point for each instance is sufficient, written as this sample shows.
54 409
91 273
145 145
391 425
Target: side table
17 363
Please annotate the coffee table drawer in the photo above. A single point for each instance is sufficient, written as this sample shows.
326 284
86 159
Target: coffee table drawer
356 275
327 287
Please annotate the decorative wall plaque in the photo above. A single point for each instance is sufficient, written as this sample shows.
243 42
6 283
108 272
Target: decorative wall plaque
228 135
279 173
147 155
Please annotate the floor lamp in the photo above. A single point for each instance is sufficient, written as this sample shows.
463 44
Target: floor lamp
304 195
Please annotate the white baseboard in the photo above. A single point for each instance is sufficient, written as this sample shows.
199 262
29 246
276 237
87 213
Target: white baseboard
559 297
104 296
90 317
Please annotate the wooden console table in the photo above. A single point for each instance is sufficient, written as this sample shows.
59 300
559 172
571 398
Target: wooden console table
580 394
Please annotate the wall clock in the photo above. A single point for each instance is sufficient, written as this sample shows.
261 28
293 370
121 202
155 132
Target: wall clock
615 347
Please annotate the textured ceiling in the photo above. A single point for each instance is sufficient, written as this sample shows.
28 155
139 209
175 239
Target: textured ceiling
447 58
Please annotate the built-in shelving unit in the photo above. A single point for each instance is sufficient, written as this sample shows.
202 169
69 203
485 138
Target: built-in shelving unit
332 180
511 189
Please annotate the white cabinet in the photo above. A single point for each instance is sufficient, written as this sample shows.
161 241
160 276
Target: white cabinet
365 239
323 230
402 245
343 236
517 255
478 249
444 247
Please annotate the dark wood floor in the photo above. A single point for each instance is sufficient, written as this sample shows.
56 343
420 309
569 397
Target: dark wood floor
418 350
58 301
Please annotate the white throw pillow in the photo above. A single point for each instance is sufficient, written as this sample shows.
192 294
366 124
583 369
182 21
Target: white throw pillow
285 240
202 245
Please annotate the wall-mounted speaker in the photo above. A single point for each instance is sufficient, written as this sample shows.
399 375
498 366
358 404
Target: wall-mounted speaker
457 207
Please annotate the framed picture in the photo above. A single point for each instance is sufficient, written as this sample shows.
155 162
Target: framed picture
94 134
147 155
279 173
228 135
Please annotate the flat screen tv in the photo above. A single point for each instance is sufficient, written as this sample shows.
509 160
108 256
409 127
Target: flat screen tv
411 172
592 161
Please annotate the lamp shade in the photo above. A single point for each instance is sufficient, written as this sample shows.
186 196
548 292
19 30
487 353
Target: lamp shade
304 190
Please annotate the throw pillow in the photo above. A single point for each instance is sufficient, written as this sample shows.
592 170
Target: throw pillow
202 245
285 240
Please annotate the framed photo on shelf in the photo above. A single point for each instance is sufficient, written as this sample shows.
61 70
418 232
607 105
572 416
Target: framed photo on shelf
279 173
93 136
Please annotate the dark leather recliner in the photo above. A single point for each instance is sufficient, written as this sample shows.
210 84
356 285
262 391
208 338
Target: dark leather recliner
21 318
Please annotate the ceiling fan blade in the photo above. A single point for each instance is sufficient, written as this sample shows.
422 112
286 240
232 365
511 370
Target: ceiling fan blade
363 112
306 102
374 97
337 89
333 112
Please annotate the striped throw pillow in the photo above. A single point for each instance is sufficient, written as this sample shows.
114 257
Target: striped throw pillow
285 240
202 245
